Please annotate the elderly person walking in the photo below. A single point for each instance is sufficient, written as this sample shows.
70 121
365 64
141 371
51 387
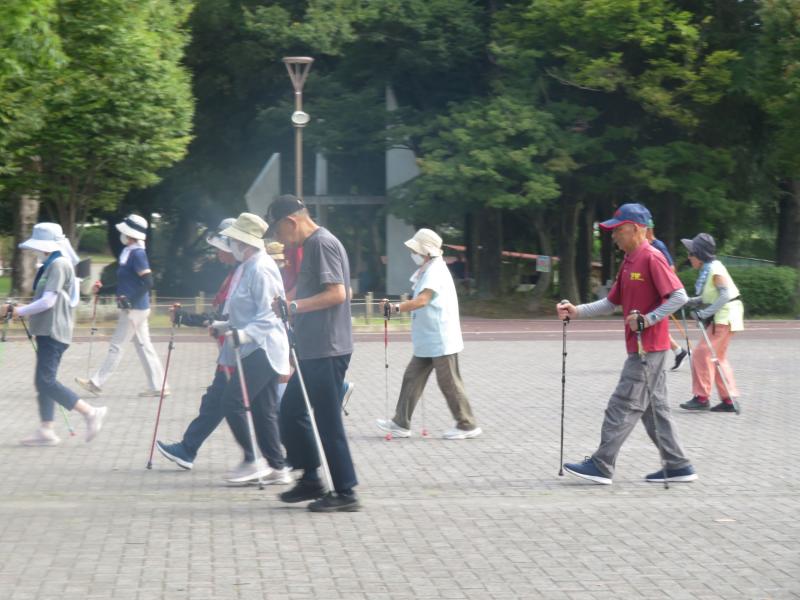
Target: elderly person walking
52 321
134 282
645 284
324 337
724 310
436 337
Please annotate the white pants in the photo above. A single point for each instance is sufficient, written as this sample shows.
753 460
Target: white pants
132 325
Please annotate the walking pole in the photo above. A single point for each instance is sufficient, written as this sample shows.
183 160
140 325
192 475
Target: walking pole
7 319
387 314
715 360
92 331
63 412
643 360
685 330
234 333
175 322
284 310
563 387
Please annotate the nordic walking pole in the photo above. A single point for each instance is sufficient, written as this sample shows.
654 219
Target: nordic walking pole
643 360
715 360
7 319
387 314
284 310
686 337
563 387
234 333
63 412
175 322
92 331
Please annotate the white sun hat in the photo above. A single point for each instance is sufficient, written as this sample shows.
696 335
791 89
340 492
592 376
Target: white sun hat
249 229
221 242
49 237
134 227
426 242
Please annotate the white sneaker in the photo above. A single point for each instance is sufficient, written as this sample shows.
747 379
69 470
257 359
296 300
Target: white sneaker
94 423
154 393
278 477
461 434
249 471
43 436
390 426
88 385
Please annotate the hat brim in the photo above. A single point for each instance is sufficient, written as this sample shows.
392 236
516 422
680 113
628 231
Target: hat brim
614 223
220 243
423 250
245 238
130 231
687 244
40 245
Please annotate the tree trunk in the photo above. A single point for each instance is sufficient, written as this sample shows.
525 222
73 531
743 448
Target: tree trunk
567 243
665 230
26 213
490 232
788 244
545 247
585 246
608 269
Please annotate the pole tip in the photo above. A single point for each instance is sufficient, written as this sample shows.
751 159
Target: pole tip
388 437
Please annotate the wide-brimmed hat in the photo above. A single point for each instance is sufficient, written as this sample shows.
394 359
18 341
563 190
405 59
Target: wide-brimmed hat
221 242
134 227
275 250
45 237
425 242
282 207
248 229
702 246
628 213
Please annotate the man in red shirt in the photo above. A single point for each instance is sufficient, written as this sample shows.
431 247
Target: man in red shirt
645 283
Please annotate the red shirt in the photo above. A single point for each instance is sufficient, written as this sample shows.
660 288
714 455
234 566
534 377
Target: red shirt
644 282
294 256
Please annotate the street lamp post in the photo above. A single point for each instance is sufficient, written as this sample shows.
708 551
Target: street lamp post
298 67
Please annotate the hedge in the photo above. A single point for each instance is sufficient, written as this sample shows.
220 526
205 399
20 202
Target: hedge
764 290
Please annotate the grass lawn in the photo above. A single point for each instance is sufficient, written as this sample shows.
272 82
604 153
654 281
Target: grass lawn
5 286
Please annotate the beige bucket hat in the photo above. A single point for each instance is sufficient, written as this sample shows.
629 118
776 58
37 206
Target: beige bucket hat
248 229
425 242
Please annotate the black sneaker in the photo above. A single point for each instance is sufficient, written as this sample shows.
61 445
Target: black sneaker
336 503
679 359
302 491
723 407
673 475
695 404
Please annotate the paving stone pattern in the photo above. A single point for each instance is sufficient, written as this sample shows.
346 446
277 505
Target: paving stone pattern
487 518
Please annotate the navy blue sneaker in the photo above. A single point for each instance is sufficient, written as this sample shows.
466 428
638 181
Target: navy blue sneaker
676 475
176 453
587 470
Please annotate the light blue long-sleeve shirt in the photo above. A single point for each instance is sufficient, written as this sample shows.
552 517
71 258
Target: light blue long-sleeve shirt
249 308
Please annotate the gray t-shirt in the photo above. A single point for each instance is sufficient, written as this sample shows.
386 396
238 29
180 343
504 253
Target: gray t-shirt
329 332
56 322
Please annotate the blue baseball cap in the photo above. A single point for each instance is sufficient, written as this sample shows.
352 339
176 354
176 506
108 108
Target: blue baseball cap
628 213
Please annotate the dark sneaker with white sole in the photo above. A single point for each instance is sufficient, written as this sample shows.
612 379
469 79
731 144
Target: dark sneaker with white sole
303 491
336 503
695 404
587 470
176 453
673 475
679 359
724 407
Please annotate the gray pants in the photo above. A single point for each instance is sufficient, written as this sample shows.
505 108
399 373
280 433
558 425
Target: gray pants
629 403
449 379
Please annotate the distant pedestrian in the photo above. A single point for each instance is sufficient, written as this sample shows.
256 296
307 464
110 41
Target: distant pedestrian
679 352
436 337
645 283
51 321
724 313
134 282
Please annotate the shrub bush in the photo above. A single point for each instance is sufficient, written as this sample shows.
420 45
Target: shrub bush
94 240
764 290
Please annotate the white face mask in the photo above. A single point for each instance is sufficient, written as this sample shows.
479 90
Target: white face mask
417 258
124 239
40 256
238 250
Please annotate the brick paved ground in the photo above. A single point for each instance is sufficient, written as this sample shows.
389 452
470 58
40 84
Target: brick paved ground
483 518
